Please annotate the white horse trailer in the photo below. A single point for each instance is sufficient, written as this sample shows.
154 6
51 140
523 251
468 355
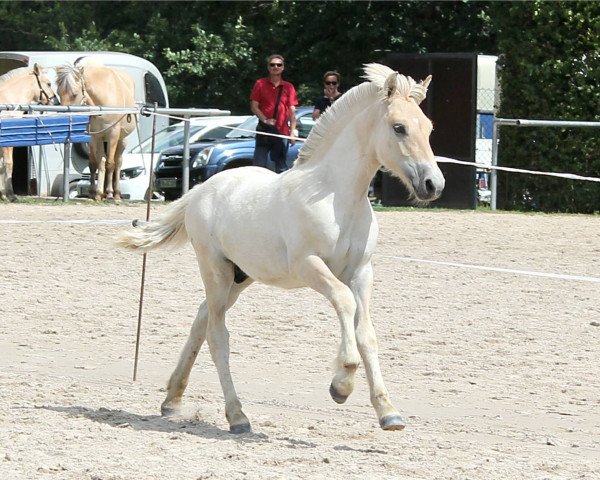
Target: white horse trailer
39 169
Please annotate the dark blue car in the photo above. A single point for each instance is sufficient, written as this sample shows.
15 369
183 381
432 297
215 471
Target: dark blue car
209 158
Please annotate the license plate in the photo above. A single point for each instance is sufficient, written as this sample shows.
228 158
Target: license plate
166 182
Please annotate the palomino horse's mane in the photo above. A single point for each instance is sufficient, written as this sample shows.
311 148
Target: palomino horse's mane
67 78
356 100
17 72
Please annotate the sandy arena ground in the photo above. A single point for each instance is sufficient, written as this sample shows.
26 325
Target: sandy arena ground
496 372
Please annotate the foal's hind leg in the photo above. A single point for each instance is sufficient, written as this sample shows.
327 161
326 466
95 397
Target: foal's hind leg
219 283
318 276
180 376
388 416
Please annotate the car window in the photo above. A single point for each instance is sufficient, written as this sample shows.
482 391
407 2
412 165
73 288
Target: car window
304 124
176 138
247 129
213 133
167 137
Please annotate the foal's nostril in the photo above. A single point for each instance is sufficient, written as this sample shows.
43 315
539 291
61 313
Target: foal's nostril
429 186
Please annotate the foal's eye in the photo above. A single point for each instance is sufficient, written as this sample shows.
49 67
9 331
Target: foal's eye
400 128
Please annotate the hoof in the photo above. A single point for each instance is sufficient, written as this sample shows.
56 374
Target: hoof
166 411
337 398
243 428
392 422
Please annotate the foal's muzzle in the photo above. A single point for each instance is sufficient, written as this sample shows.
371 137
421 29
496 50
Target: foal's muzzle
428 181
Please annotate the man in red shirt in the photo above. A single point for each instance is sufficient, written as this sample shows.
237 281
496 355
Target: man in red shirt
273 101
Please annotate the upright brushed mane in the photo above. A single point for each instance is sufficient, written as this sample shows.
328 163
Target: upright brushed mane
355 101
406 86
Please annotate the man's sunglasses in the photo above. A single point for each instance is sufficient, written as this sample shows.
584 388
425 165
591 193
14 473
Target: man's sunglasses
278 65
330 83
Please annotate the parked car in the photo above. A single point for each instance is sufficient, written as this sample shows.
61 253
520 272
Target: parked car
209 158
136 161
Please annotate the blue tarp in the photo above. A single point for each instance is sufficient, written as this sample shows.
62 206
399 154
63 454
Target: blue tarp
41 130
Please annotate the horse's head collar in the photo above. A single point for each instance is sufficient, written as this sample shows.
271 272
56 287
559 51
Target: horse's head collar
43 95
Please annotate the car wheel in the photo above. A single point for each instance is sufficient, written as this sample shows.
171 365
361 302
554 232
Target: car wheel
170 196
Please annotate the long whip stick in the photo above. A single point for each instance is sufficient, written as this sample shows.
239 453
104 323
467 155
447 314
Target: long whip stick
150 191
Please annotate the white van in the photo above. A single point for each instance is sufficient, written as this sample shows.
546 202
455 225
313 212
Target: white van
39 169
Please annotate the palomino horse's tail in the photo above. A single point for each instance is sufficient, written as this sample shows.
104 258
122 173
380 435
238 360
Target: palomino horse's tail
168 230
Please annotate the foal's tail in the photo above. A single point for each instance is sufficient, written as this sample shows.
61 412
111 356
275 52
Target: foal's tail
167 230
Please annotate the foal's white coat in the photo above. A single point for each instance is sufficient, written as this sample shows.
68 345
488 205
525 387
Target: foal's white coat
20 86
91 83
311 226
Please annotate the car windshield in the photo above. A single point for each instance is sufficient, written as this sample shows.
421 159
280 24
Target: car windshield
174 136
245 129
168 137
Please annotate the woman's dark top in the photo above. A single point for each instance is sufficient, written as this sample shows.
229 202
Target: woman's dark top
322 103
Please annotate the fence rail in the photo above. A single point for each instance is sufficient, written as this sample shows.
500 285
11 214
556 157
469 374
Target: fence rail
144 110
519 122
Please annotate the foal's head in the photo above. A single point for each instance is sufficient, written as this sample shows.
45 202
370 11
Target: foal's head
404 146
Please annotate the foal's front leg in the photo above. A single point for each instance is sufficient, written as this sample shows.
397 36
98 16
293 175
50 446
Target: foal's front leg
317 276
388 416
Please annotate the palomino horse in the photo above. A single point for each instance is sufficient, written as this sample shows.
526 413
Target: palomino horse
91 83
20 86
312 226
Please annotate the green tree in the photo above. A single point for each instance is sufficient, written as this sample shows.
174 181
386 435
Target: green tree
549 69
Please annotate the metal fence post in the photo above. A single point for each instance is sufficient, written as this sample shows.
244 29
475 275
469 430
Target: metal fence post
66 169
493 173
185 179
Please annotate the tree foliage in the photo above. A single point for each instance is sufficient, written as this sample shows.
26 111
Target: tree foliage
210 54
550 70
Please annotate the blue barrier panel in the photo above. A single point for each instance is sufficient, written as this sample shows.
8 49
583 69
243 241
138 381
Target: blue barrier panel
22 132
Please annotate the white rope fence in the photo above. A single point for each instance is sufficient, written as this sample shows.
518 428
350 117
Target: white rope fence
185 115
570 176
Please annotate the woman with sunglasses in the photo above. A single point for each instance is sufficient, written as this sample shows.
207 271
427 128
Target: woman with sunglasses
331 81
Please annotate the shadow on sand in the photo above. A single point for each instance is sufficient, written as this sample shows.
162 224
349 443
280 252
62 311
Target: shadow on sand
156 423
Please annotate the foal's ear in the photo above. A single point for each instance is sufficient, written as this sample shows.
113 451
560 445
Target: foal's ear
391 84
426 82
419 90
37 69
